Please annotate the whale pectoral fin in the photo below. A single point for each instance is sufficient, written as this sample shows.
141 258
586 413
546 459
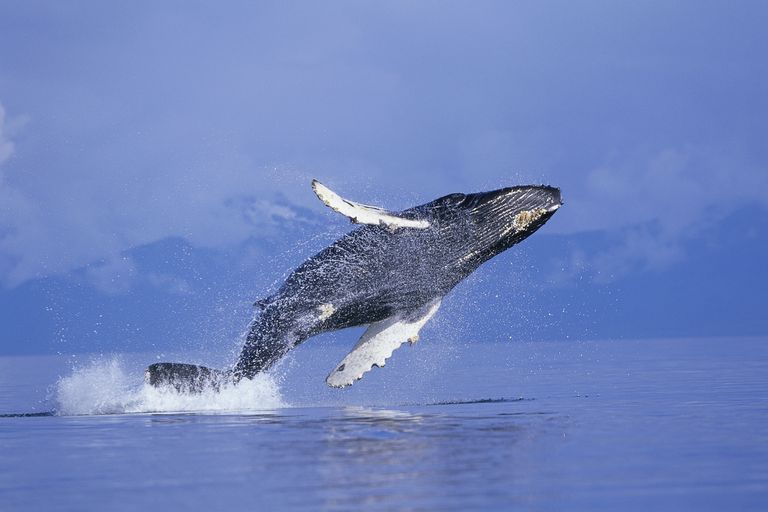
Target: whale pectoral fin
378 342
363 213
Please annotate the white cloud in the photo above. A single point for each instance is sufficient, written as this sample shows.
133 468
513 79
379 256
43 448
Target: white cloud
59 215
680 189
6 146
14 205
204 135
170 284
113 276
653 207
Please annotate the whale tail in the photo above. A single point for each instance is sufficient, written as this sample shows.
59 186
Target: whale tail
265 344
186 378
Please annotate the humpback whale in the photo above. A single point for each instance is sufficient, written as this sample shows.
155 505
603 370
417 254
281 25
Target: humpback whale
390 274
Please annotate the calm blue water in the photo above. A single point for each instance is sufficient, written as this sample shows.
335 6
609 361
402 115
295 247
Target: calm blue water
613 425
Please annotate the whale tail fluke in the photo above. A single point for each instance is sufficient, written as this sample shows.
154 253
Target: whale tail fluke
186 378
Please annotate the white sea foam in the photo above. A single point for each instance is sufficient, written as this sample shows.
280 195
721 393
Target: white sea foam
105 387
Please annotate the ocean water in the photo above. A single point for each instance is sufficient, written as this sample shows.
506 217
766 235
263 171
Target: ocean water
604 425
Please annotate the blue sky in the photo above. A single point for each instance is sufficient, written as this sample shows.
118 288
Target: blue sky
155 160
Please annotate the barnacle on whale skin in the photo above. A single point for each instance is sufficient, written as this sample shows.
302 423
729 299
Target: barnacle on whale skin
525 218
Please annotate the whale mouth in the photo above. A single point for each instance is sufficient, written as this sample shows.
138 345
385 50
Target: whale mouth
555 199
554 207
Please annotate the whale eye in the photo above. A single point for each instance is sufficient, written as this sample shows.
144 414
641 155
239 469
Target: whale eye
341 368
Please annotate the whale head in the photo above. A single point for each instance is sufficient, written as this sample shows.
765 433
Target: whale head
491 222
504 217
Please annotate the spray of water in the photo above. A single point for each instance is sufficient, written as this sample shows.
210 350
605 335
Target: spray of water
105 387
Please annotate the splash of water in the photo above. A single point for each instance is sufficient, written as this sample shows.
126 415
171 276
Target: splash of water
105 387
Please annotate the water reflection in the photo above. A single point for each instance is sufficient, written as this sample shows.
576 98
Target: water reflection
394 456
330 457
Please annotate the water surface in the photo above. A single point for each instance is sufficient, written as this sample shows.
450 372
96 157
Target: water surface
628 425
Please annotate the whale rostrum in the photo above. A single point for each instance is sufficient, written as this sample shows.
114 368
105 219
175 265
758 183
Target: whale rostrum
390 274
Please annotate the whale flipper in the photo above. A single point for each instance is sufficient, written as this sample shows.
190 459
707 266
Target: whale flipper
363 213
378 342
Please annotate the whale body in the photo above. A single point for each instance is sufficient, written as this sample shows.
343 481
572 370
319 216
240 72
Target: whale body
390 274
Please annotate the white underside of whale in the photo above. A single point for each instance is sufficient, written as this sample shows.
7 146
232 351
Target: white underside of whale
362 213
378 343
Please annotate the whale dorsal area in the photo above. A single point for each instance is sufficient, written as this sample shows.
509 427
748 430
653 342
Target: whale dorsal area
363 213
378 342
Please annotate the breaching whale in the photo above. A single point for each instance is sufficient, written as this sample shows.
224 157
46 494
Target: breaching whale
389 274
